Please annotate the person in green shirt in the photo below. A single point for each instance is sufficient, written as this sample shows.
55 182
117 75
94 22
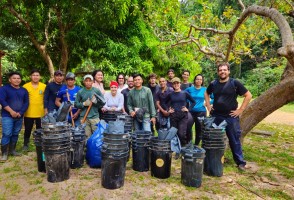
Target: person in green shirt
141 105
87 97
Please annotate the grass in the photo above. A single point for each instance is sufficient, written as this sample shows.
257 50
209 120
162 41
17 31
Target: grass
288 108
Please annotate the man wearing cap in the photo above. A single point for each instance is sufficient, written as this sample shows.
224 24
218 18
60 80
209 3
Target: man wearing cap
35 110
91 99
51 92
114 100
140 99
69 92
170 75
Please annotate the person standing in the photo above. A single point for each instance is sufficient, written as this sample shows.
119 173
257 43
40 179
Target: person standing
140 102
126 91
87 100
35 110
170 75
225 107
185 76
162 104
154 87
120 79
15 101
69 92
51 92
98 80
178 110
114 100
197 92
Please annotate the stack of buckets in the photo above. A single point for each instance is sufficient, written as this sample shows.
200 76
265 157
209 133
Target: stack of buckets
114 115
140 150
161 157
40 156
115 150
56 148
192 166
214 143
77 148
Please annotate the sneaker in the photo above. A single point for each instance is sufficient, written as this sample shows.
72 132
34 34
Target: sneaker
25 148
243 167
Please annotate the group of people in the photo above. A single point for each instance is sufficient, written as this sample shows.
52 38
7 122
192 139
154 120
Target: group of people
171 103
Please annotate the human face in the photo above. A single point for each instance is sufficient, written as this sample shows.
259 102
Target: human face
99 77
113 90
171 75
88 83
152 81
58 78
35 77
70 82
198 81
162 82
185 76
177 86
130 82
223 72
15 80
138 81
121 80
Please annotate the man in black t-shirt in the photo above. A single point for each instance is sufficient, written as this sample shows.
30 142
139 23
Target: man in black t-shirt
225 107
126 91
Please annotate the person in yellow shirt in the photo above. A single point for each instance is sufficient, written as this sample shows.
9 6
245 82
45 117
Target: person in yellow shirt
36 109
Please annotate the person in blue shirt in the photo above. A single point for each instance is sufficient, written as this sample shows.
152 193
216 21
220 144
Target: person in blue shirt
15 101
70 91
197 92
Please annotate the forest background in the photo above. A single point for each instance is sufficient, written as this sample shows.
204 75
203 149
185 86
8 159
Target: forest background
150 36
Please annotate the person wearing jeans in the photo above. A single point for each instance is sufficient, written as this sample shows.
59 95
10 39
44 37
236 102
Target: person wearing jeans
225 107
15 101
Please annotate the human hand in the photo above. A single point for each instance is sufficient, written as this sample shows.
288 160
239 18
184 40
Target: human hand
184 109
236 113
94 99
165 113
87 102
75 116
153 120
103 109
133 113
171 110
14 114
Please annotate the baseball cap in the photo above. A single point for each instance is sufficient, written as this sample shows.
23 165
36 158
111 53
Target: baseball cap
58 72
176 79
70 75
88 76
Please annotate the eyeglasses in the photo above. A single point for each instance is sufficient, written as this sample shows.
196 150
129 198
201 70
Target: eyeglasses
198 79
120 78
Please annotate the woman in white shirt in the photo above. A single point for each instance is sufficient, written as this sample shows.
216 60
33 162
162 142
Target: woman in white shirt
114 100
120 79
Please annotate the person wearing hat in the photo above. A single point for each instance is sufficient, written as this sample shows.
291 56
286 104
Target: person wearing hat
114 100
141 105
89 98
51 91
69 92
35 110
170 75
178 109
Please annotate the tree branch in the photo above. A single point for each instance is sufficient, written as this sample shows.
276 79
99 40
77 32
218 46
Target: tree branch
47 27
242 5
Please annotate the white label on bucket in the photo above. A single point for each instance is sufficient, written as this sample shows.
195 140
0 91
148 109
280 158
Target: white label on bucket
159 162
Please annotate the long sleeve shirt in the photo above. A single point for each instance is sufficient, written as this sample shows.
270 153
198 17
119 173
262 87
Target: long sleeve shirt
84 94
50 96
142 99
179 100
16 98
116 101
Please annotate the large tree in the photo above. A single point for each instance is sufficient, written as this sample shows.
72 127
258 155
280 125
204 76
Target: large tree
276 96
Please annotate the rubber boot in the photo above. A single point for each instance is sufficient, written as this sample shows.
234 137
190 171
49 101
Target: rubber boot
4 150
12 146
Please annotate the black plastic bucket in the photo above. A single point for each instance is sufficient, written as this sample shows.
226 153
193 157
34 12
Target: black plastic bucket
57 167
160 163
77 154
113 169
40 160
140 158
192 166
213 162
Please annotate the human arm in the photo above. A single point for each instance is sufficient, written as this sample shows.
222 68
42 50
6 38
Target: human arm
247 97
130 104
26 102
191 100
120 102
58 101
46 98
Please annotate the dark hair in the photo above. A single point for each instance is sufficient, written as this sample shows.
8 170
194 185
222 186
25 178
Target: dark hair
95 72
185 70
223 64
136 75
202 79
35 71
120 74
170 70
152 75
14 73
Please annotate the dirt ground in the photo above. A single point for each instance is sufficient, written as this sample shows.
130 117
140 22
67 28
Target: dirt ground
19 179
